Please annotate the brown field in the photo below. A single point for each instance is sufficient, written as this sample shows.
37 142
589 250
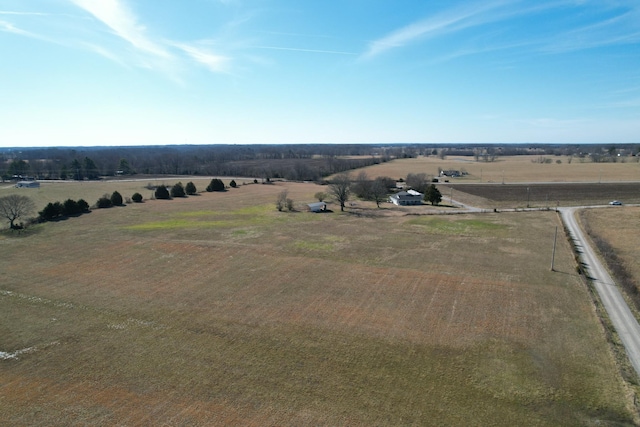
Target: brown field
619 227
219 310
91 191
543 195
513 169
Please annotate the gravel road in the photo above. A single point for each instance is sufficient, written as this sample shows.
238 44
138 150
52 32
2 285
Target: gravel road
623 321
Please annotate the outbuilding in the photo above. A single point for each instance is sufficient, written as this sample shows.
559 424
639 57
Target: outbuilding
317 207
27 184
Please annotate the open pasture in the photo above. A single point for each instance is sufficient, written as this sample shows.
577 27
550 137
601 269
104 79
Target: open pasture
91 191
513 169
219 310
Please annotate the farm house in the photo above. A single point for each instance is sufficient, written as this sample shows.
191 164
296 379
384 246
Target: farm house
404 198
317 207
27 184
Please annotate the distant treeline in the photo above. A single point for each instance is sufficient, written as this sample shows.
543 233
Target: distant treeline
294 162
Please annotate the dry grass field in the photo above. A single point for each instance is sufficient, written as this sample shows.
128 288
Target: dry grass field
513 169
619 227
219 310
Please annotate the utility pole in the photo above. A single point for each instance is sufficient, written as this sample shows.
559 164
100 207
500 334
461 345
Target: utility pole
553 255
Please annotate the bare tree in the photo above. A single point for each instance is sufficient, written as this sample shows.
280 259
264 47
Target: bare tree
281 201
418 181
361 186
15 206
320 196
378 191
340 188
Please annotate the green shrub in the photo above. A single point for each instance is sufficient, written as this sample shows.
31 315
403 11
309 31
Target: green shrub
137 197
51 211
215 185
191 188
162 193
104 202
178 190
83 206
70 207
116 199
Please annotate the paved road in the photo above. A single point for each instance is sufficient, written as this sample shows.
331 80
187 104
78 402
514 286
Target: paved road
623 321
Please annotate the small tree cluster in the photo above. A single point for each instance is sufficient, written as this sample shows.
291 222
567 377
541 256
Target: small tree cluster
107 201
376 190
284 202
57 210
137 198
215 185
418 181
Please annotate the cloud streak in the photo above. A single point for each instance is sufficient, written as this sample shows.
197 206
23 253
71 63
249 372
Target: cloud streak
446 22
117 16
295 49
621 26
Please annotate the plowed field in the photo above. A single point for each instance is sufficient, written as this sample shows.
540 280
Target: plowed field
219 310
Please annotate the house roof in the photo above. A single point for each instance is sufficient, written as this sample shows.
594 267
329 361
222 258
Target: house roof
411 194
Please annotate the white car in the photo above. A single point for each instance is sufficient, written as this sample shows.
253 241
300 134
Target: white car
616 203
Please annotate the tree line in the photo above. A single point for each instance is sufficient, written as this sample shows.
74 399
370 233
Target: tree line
299 162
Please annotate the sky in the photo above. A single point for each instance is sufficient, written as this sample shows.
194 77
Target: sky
155 72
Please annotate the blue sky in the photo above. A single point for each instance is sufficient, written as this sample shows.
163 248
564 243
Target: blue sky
142 72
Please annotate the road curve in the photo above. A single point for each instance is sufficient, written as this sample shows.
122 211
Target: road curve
623 321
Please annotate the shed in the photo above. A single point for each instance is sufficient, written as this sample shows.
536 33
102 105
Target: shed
27 184
317 207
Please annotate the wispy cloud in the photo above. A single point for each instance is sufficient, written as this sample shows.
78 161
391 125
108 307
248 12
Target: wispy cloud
8 12
620 25
623 28
214 62
8 27
295 49
445 22
120 19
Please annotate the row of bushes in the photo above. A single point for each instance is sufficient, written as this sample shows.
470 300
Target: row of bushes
68 208
179 190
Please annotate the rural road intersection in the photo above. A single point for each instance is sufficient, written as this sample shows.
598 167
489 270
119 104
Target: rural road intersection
621 317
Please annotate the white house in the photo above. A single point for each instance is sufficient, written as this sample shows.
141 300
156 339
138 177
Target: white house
28 184
404 198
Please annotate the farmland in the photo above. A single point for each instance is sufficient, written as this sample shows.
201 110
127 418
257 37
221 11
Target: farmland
515 169
219 310
618 229
544 195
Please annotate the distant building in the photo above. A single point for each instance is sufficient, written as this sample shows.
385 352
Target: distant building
317 207
27 184
405 198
